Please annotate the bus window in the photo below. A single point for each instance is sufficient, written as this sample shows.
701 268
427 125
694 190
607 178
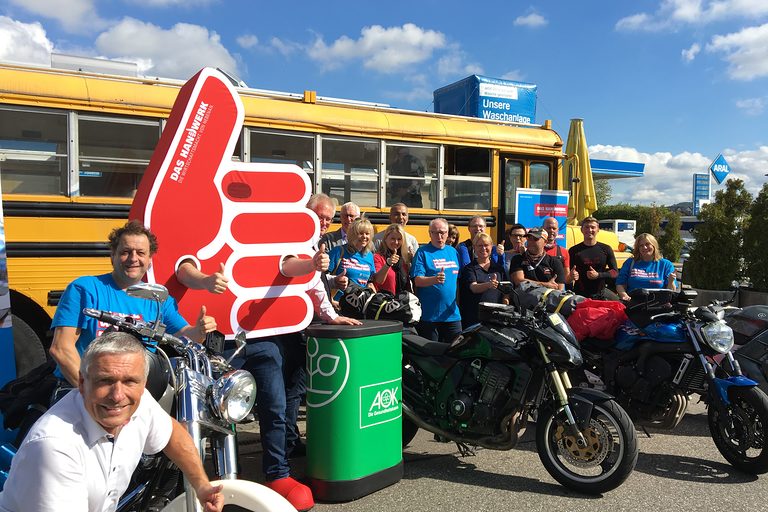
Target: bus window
412 175
34 147
540 173
284 148
467 178
114 154
513 173
350 171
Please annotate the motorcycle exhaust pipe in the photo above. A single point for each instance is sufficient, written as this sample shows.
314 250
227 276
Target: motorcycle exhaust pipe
492 443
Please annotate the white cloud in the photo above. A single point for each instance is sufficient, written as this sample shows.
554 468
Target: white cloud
690 53
745 51
247 41
533 20
673 13
286 48
454 64
74 15
752 106
668 178
515 74
178 52
24 42
387 50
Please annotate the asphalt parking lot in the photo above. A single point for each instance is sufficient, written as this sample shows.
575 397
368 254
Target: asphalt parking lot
676 470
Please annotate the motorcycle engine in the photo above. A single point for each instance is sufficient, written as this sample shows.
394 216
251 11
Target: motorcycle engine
476 404
643 387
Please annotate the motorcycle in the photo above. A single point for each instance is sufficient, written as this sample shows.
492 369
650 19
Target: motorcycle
199 387
481 389
671 351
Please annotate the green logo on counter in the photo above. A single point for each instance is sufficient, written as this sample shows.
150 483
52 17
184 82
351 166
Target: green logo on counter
327 371
380 403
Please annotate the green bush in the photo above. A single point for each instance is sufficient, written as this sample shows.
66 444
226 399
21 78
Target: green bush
717 254
670 241
756 242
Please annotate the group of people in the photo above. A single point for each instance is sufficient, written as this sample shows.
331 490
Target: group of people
451 277
71 454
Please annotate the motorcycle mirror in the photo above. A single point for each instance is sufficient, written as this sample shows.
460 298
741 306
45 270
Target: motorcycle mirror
240 343
148 291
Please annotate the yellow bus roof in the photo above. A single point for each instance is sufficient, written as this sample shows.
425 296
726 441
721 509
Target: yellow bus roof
112 94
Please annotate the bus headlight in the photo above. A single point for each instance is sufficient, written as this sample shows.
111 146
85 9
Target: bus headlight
718 335
233 395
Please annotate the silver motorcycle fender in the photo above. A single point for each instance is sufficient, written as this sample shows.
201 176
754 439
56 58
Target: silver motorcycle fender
243 493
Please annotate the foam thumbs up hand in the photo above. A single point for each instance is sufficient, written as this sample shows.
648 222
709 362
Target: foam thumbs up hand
205 207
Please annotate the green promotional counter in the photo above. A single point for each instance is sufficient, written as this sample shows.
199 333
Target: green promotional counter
354 416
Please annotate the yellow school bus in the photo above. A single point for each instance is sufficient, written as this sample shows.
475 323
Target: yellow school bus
74 145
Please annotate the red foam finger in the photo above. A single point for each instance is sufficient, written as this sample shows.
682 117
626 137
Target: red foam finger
272 313
273 228
262 187
258 271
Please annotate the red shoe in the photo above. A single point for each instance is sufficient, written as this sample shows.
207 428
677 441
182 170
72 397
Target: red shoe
297 494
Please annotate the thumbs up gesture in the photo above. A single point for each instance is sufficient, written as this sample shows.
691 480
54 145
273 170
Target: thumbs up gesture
440 276
592 273
342 280
393 259
217 282
204 322
321 260
574 274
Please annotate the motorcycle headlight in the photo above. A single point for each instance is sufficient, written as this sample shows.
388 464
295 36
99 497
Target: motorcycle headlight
718 335
233 395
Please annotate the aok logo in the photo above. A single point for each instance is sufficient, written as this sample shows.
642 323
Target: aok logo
327 371
380 403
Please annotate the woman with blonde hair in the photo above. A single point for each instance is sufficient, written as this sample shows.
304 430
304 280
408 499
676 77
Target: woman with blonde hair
353 261
453 236
392 262
479 280
645 269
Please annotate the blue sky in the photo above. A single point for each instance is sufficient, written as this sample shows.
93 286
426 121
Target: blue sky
670 83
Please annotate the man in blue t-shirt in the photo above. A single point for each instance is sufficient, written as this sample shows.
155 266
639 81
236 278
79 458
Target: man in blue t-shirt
435 274
131 249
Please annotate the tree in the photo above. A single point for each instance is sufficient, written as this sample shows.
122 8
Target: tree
716 256
649 220
756 242
671 242
602 192
619 211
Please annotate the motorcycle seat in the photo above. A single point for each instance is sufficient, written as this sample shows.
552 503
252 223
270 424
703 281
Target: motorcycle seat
425 346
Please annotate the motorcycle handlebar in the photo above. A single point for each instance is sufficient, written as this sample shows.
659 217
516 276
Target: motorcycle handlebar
139 328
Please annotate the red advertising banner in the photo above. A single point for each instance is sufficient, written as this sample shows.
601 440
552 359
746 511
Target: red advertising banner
206 207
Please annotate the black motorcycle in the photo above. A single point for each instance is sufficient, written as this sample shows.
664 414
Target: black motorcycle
481 389
671 351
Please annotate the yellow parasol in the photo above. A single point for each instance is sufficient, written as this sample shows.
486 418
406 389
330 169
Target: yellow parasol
576 175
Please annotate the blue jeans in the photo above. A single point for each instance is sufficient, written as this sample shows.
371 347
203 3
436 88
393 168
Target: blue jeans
265 362
293 351
439 331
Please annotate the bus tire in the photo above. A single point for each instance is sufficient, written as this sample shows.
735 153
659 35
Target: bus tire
27 347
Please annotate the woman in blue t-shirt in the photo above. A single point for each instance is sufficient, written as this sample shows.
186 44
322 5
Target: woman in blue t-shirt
353 262
646 268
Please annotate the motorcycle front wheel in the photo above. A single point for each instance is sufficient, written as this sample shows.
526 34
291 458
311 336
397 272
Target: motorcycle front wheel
739 434
603 464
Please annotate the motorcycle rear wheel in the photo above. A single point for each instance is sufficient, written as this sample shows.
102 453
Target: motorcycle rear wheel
740 436
601 466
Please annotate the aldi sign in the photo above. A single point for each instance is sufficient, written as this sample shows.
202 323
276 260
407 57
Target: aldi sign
719 169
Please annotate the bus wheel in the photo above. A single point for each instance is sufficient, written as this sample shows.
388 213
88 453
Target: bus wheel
27 347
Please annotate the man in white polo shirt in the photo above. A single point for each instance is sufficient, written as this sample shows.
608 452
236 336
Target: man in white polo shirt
81 453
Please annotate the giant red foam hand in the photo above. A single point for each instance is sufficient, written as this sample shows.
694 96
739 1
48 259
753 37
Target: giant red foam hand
205 207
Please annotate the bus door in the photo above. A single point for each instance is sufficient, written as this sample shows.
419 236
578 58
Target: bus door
515 173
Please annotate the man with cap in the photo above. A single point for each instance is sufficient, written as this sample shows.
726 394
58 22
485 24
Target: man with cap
535 265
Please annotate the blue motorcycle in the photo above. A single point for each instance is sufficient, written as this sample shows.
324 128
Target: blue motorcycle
670 351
